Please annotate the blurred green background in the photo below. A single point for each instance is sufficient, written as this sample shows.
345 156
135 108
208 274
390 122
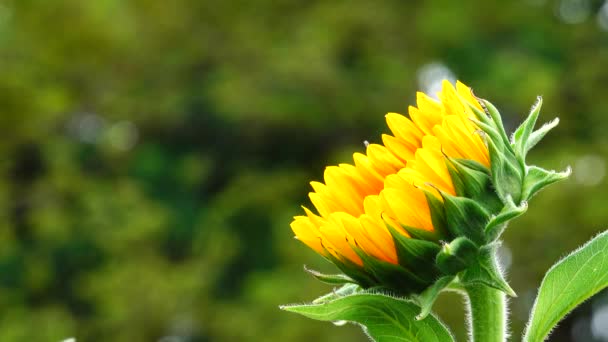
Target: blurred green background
154 152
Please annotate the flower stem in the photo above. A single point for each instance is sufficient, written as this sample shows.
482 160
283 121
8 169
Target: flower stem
487 314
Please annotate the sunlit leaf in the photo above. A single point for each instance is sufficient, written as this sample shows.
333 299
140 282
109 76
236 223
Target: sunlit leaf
384 318
567 284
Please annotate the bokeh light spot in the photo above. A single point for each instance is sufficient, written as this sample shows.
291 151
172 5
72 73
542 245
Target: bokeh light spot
123 135
602 17
430 76
599 323
573 11
505 256
589 170
86 127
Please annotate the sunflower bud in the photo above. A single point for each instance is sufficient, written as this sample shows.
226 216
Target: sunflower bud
428 206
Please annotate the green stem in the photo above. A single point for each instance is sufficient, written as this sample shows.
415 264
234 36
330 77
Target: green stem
487 314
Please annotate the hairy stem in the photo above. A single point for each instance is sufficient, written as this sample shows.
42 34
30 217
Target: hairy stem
487 314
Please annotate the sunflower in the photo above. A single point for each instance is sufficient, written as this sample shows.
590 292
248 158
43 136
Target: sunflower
446 173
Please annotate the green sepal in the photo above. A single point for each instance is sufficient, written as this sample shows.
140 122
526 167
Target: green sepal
465 217
421 234
391 276
438 216
331 279
473 165
540 133
485 270
416 255
456 255
457 180
479 114
507 172
346 290
353 271
416 233
476 185
427 298
537 178
506 169
523 132
490 131
498 223
495 115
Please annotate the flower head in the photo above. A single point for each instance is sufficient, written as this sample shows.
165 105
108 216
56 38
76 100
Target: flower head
425 202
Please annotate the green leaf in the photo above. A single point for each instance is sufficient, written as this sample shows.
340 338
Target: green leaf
567 284
384 318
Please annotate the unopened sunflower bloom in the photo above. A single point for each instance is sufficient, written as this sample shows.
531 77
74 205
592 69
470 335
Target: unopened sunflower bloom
431 200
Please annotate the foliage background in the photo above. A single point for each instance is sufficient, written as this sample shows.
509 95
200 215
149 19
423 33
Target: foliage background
154 152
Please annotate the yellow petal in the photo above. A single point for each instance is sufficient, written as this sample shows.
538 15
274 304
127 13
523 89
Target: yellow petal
360 237
467 94
343 190
372 206
380 238
460 140
308 233
429 167
404 129
398 148
451 101
367 171
339 240
407 206
428 114
384 162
